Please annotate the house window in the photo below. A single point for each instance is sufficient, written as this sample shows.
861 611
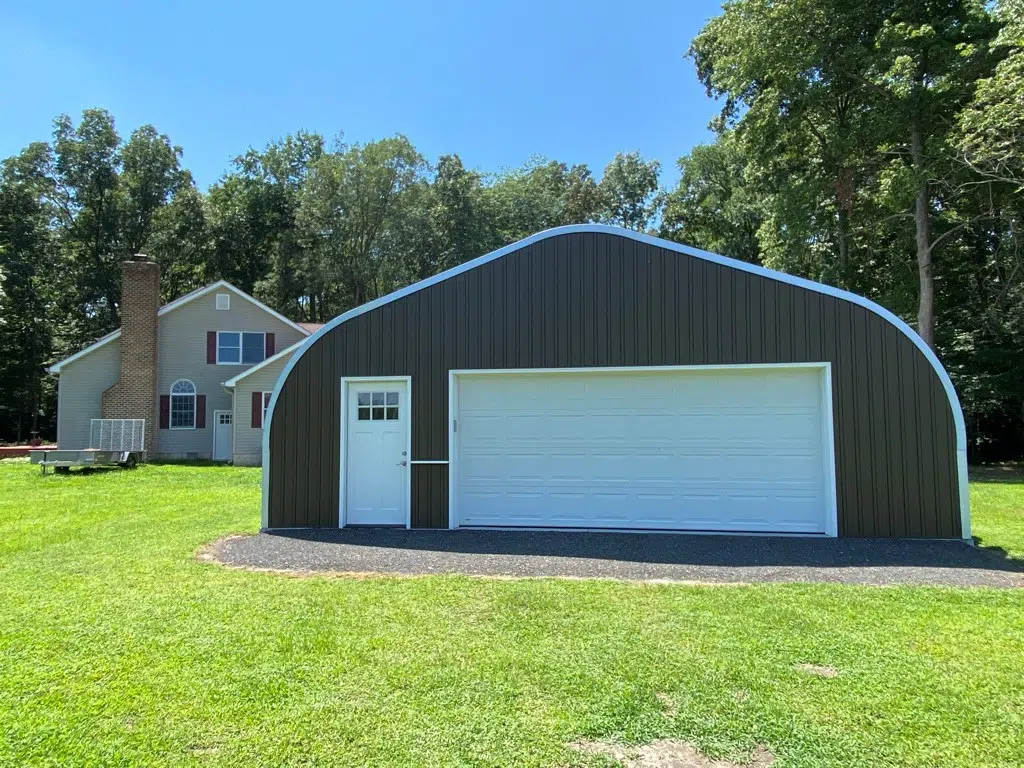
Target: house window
240 348
377 406
183 404
223 301
266 402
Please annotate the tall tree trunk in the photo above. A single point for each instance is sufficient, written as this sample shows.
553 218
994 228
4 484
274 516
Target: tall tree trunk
844 244
925 268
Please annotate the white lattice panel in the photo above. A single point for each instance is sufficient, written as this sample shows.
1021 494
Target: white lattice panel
117 434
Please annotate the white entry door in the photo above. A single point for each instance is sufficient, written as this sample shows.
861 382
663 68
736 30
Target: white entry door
222 435
710 450
377 452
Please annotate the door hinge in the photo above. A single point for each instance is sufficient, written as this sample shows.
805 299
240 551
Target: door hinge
455 425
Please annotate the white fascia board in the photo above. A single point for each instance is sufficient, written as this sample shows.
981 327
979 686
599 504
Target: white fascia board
286 351
173 305
754 269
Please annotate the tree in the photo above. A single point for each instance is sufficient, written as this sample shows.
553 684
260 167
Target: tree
351 199
252 219
991 127
86 186
540 195
629 191
181 242
27 269
928 54
713 207
853 102
457 219
150 176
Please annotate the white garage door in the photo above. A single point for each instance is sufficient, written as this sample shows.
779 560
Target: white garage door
710 450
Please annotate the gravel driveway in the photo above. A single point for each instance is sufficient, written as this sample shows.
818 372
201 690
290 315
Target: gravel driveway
629 556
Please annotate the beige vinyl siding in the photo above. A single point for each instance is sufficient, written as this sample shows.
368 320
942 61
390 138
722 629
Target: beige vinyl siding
248 442
79 392
182 355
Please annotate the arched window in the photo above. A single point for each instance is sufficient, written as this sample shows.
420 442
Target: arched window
183 404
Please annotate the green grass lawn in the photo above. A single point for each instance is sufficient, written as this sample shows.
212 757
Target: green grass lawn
118 648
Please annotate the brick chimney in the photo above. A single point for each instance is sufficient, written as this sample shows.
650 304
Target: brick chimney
134 396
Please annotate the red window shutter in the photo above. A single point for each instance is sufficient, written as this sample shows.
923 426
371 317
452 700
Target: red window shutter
165 411
211 347
257 410
268 345
200 411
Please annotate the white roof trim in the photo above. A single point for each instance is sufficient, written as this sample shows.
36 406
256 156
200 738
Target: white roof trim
782 277
171 306
103 340
286 351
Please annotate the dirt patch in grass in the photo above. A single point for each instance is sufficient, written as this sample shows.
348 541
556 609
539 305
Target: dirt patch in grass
668 706
211 553
200 750
817 670
668 753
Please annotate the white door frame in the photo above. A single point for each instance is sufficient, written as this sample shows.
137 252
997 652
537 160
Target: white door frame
343 446
827 432
216 423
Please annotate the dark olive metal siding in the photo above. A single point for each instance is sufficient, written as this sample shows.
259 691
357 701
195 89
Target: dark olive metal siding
598 299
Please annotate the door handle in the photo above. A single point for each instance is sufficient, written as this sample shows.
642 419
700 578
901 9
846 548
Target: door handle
403 463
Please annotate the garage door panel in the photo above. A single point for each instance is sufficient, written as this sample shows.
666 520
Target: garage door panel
712 450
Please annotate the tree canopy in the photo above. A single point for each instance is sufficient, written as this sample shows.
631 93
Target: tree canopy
875 146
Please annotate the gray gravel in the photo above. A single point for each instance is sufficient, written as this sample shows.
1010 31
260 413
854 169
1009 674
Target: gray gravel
629 556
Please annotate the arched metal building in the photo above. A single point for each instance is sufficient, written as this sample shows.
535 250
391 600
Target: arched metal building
592 377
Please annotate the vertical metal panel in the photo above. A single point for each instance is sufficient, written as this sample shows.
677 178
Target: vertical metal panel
596 299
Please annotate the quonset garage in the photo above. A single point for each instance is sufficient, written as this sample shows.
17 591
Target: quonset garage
591 377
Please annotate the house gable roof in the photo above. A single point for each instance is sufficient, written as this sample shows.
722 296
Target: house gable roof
173 305
273 358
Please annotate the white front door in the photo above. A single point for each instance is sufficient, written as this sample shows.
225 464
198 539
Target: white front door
222 435
377 452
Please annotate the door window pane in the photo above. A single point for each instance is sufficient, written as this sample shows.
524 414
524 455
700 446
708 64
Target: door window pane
377 406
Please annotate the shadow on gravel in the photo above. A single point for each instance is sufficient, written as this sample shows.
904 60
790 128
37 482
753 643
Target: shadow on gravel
675 549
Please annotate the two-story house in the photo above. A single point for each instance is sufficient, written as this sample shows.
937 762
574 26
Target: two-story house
199 370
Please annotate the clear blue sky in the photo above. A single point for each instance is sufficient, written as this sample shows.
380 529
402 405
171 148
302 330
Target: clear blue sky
494 81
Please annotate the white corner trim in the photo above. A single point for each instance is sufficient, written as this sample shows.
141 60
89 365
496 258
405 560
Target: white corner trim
170 307
453 447
965 496
273 358
782 277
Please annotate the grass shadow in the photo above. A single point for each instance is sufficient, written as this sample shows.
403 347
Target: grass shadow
1011 472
